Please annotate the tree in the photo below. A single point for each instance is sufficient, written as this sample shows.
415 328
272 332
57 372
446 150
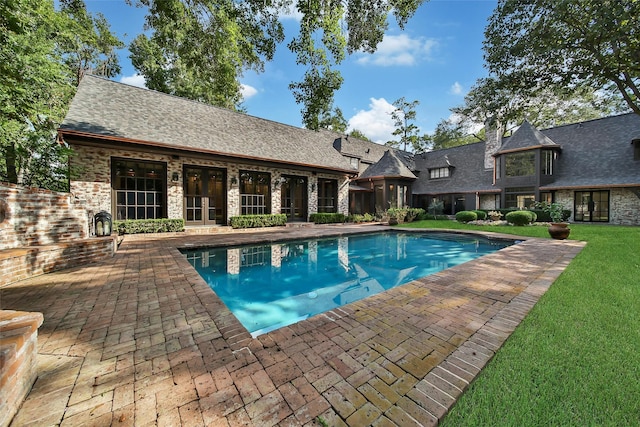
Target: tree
494 99
329 30
88 45
549 45
357 134
199 49
451 134
333 120
37 81
403 116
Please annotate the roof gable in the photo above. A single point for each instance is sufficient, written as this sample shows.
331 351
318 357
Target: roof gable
390 165
525 137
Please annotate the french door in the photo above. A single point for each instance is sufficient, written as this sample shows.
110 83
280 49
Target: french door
205 196
591 206
294 197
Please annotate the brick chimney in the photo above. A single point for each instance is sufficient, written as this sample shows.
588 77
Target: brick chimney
494 130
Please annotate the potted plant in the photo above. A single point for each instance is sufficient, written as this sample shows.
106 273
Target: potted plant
558 228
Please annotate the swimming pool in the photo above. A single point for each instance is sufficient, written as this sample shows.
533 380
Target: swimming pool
268 286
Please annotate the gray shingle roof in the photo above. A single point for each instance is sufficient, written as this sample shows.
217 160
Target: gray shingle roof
597 153
525 137
467 174
390 166
106 108
369 152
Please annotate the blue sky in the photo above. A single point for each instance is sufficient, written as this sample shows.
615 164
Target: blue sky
435 60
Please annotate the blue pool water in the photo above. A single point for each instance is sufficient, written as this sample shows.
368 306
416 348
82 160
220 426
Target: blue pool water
268 286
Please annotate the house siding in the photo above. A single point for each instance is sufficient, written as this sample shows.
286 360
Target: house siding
93 184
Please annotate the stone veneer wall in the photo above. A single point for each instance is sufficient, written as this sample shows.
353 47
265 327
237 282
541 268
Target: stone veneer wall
624 205
94 184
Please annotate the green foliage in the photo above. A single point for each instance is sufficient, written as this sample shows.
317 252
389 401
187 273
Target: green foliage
330 30
555 212
546 45
333 120
358 218
403 117
137 226
452 134
466 216
358 134
42 53
482 215
199 49
255 221
327 218
436 207
519 217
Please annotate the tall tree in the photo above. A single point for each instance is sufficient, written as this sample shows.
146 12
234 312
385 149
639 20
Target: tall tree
333 120
560 45
88 45
450 133
37 80
403 117
199 49
494 98
330 30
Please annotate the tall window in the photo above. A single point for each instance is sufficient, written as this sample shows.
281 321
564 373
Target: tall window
438 173
520 164
591 206
519 197
327 196
140 189
547 162
255 193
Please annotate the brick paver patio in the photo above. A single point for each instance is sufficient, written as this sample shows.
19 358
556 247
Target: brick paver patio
140 339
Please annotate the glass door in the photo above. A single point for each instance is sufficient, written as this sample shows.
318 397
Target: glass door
205 196
294 197
591 206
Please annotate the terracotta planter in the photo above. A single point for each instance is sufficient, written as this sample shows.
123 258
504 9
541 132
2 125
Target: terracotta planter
559 230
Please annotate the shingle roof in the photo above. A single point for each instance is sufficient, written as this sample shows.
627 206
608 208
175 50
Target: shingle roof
122 112
526 137
389 166
369 152
467 172
596 153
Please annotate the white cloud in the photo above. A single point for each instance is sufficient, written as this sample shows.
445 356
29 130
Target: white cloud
399 50
134 80
456 89
247 91
376 122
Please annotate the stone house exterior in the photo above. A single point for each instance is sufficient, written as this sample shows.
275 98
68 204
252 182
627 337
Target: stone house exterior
144 154
141 154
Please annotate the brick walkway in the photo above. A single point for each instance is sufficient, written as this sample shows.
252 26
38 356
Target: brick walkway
140 339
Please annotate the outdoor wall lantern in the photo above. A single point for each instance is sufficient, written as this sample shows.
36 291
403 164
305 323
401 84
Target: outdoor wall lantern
175 177
102 221
234 181
313 187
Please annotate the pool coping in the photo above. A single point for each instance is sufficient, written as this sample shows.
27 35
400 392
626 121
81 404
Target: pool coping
357 365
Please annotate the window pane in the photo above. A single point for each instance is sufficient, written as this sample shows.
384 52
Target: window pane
520 164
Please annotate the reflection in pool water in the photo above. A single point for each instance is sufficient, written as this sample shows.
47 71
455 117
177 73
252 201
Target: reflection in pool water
268 286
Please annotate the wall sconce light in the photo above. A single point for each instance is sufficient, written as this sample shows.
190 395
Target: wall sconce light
175 177
234 181
313 187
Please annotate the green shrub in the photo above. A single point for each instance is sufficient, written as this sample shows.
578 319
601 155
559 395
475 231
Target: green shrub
400 214
519 217
482 215
254 221
359 218
138 226
534 215
413 213
328 218
466 216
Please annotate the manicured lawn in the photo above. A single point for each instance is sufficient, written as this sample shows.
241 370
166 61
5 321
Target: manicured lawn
575 359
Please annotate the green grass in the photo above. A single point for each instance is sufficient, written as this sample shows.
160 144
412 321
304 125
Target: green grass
575 359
